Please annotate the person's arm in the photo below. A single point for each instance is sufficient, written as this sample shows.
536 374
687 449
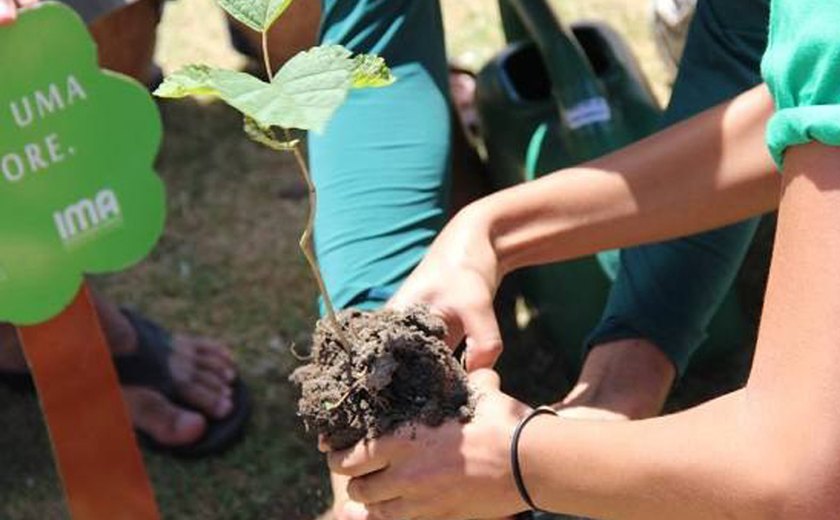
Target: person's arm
704 173
768 451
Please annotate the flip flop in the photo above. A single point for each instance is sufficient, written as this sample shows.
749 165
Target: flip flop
148 367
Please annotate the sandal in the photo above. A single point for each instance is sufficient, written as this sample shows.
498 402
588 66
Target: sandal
148 367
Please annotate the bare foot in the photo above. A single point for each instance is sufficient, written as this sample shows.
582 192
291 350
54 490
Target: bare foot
202 371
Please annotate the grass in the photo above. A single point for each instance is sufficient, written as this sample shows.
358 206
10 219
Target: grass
228 266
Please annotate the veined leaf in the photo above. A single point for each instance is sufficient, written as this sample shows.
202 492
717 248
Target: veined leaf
370 70
259 15
304 94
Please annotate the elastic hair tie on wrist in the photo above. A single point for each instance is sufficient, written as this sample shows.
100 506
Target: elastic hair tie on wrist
514 453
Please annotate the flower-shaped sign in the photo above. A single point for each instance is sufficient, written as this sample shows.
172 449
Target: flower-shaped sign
78 193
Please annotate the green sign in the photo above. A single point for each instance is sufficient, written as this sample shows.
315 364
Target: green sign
78 193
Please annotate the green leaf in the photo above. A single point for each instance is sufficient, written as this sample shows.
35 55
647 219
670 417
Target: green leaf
259 15
370 70
304 94
266 136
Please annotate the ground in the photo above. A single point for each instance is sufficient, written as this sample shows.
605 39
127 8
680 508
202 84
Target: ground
228 266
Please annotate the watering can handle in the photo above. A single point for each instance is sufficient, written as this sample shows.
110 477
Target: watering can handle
574 83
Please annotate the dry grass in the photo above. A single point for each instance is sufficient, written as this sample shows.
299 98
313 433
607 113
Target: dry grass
228 266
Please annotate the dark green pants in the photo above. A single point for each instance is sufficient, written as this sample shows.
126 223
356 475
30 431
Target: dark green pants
381 170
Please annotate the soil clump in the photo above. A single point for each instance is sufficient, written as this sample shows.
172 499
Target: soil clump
397 371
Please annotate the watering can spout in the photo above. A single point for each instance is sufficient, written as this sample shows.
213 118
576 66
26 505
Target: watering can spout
581 102
565 60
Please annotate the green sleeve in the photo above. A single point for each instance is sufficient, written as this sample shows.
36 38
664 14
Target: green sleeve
802 69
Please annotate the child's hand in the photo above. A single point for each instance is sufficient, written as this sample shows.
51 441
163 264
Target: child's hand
458 279
8 9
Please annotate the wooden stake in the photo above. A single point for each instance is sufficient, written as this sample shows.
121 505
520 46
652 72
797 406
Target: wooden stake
91 432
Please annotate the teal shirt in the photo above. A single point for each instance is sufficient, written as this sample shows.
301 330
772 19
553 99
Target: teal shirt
802 69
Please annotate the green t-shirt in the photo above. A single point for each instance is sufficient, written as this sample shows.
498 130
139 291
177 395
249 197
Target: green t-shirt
802 69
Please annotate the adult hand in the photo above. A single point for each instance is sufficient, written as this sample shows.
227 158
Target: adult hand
8 9
458 279
456 471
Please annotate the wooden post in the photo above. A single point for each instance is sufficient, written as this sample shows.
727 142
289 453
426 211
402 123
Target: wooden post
91 432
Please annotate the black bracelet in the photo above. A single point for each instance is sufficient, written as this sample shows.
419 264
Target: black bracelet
514 453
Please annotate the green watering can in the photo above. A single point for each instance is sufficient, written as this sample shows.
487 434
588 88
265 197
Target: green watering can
555 97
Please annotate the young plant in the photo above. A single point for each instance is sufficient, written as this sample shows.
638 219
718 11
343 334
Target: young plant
304 94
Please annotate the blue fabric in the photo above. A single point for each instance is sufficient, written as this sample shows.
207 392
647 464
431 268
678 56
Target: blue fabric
382 166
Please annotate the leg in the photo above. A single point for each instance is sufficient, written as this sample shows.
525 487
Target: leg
381 167
125 33
126 39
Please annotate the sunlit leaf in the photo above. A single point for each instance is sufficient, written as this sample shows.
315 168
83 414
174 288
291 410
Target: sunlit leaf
370 70
259 15
304 94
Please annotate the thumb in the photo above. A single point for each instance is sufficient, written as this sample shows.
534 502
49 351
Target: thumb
484 340
485 379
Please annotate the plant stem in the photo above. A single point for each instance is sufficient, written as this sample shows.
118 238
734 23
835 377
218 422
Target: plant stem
306 237
306 241
266 60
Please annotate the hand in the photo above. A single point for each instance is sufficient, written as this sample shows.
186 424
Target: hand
455 471
458 279
8 9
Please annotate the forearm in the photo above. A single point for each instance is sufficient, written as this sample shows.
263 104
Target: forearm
768 451
710 171
692 465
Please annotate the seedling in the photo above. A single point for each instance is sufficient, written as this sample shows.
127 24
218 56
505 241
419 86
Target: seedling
397 368
304 94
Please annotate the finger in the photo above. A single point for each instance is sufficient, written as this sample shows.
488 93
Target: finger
363 458
397 509
7 12
27 3
323 444
484 340
484 378
380 486
351 511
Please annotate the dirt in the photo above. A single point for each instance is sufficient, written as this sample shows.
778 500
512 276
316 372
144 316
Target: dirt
398 371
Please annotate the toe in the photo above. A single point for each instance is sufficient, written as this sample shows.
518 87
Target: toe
207 354
203 372
215 404
164 422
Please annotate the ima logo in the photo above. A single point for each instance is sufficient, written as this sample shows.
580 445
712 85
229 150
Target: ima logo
87 216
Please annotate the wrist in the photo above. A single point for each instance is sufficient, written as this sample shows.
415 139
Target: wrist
483 220
532 459
525 475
